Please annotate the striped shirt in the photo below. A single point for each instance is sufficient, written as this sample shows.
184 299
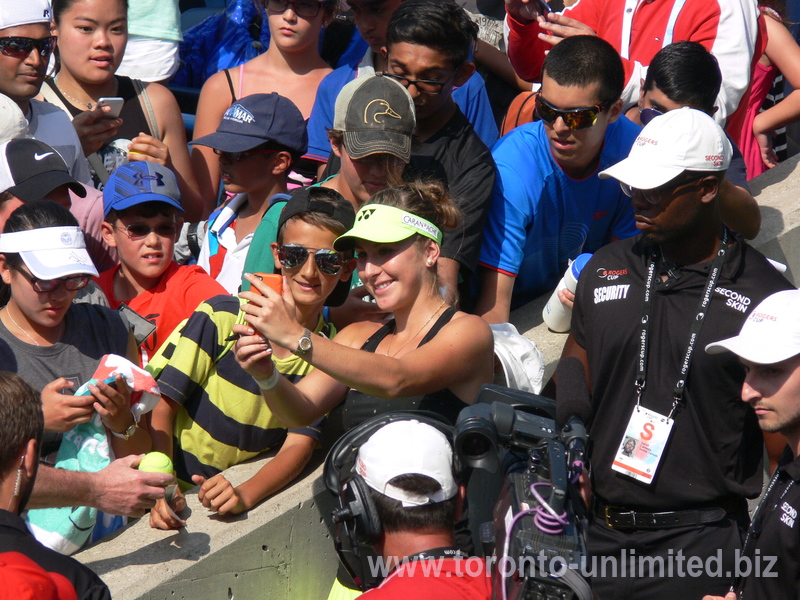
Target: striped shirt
223 419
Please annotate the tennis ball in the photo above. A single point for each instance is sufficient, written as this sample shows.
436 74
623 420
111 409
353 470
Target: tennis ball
156 462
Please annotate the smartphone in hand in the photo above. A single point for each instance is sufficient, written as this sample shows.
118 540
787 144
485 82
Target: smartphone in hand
273 280
115 103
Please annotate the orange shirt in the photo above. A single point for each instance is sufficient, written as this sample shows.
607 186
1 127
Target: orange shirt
179 291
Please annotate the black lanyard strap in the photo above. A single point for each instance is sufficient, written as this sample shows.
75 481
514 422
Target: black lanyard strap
694 331
759 517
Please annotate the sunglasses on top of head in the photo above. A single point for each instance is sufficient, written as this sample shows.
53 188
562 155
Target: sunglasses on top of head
574 118
292 256
21 47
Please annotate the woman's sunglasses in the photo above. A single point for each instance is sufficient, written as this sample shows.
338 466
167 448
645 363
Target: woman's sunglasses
574 118
42 286
292 256
21 47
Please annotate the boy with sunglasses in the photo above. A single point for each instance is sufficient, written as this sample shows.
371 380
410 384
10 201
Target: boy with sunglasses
212 414
549 206
25 49
258 139
141 203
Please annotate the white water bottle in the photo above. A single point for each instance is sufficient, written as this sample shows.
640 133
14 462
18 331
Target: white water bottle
555 314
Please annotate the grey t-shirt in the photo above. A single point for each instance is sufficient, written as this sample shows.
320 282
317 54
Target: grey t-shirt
90 332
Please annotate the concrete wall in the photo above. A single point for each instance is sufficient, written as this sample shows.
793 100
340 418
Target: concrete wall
282 549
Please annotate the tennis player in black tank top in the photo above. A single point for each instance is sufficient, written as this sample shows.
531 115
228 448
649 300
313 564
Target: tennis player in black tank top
430 356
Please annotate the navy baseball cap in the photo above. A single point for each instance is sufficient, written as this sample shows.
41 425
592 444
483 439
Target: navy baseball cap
256 120
137 182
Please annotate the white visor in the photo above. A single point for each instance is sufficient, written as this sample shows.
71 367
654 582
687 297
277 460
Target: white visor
50 252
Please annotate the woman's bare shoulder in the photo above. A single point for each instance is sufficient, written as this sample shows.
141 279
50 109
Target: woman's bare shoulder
355 334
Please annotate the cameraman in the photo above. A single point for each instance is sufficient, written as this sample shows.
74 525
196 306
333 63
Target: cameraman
408 469
769 348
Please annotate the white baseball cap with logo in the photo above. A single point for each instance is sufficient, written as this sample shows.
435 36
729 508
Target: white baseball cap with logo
681 140
771 334
27 12
407 448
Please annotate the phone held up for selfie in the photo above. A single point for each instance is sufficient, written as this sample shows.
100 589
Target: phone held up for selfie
273 280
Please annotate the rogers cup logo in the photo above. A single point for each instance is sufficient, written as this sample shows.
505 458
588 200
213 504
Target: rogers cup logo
611 275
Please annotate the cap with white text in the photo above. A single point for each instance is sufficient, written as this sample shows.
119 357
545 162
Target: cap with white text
681 140
771 334
256 120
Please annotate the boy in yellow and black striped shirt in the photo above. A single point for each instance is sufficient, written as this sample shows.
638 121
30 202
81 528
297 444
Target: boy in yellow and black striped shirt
212 414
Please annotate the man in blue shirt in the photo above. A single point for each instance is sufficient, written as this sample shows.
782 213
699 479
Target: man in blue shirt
548 204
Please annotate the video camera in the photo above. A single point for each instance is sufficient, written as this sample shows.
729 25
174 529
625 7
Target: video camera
539 522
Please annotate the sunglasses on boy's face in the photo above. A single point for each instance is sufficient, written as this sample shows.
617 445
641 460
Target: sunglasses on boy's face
21 47
307 9
574 118
139 231
42 286
237 156
292 256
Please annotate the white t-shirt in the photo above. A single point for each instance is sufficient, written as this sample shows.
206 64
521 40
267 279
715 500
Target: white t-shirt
220 233
51 125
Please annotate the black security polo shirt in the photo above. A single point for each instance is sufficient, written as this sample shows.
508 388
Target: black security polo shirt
776 537
715 451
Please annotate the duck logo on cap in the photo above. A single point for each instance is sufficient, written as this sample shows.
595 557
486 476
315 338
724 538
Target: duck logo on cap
382 108
140 179
238 114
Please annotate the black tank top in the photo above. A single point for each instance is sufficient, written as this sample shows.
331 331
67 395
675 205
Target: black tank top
357 406
133 118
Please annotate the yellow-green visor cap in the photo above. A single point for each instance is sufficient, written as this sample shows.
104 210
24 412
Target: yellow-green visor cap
382 224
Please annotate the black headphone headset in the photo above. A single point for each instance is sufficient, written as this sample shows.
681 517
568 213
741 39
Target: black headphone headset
356 519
